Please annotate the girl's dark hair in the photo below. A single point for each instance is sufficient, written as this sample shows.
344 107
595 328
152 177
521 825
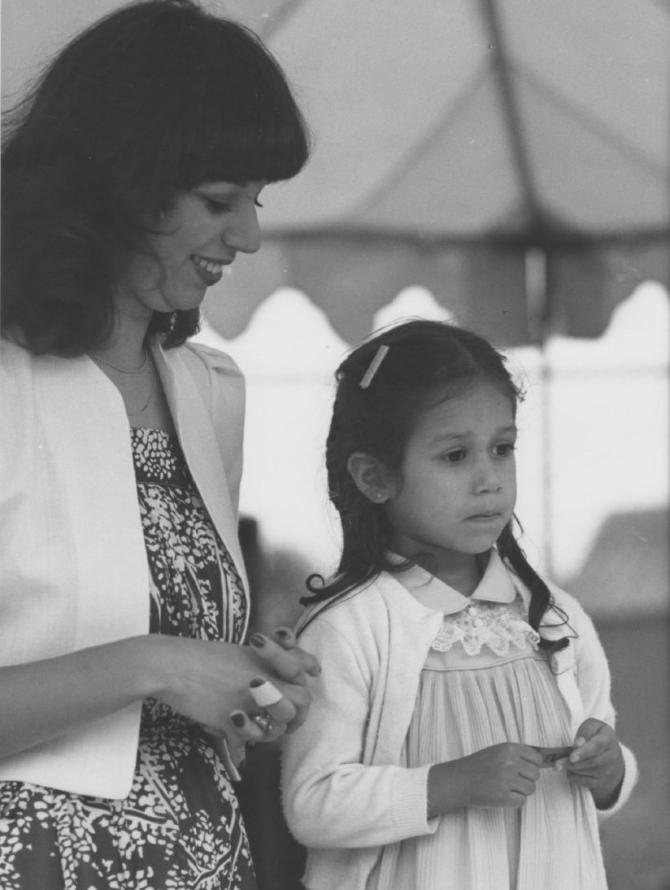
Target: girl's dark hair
150 101
425 360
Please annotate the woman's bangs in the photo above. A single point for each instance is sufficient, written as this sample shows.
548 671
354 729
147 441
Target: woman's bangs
245 154
253 137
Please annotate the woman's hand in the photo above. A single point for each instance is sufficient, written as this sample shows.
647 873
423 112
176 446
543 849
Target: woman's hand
206 681
209 682
279 715
502 775
284 658
596 762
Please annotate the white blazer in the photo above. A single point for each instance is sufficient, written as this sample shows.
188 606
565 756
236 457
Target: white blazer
73 567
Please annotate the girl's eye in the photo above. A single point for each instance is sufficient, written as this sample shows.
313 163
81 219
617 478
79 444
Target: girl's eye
454 456
504 449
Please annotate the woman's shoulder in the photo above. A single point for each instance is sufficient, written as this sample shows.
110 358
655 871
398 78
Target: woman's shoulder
215 373
214 361
13 357
19 368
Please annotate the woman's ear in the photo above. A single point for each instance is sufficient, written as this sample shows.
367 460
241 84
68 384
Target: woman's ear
371 477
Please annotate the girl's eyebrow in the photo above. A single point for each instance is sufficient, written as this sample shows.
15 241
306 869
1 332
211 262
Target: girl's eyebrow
510 430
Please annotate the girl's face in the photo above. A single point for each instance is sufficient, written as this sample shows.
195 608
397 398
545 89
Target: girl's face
457 486
193 242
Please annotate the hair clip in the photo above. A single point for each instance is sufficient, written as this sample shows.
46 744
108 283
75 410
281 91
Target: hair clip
373 367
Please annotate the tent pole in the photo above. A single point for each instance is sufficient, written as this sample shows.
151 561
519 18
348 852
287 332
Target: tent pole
538 314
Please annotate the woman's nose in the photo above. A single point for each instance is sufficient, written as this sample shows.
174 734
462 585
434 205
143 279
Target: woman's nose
243 233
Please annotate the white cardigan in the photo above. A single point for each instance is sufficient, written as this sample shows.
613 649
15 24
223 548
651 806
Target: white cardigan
73 567
345 793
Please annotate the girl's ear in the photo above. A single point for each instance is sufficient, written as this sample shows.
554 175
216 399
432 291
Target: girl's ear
371 477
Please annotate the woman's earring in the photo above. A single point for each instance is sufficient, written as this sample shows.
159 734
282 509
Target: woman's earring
380 496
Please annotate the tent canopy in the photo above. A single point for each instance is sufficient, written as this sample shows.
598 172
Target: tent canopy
512 157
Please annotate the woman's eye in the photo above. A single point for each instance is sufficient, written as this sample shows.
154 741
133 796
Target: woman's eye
503 449
216 207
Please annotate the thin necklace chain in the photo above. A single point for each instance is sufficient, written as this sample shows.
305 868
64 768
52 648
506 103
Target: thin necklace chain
144 407
133 372
103 361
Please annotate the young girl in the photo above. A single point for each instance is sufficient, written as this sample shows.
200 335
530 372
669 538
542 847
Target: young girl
461 735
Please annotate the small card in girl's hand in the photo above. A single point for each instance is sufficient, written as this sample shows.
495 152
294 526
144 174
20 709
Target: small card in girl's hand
551 755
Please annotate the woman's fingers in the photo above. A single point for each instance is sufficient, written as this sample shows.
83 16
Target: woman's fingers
257 728
288 640
289 708
289 664
270 699
285 637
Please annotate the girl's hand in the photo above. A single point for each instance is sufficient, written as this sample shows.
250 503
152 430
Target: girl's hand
502 775
596 762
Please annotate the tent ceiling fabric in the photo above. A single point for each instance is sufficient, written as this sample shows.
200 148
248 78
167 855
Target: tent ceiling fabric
452 136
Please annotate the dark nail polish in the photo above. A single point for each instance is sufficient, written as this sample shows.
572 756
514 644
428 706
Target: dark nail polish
237 720
257 640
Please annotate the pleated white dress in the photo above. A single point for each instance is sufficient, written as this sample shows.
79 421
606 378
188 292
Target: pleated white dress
485 681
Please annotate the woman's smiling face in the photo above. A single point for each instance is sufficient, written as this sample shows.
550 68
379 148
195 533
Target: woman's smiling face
191 245
457 486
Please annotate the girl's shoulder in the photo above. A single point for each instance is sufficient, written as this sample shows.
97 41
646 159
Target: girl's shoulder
565 615
568 602
567 618
368 608
560 599
340 606
352 608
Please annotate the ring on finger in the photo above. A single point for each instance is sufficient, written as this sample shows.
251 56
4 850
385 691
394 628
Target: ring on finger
264 693
264 722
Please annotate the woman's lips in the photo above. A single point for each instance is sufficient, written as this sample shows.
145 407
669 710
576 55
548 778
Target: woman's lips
210 271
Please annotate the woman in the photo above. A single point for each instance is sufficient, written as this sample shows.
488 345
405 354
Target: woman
131 178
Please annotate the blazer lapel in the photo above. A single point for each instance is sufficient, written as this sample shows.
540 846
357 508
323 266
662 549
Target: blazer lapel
199 443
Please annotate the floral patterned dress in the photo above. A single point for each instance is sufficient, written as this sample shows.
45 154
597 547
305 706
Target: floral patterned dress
180 828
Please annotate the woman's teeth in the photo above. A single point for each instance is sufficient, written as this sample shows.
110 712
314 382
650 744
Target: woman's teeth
208 265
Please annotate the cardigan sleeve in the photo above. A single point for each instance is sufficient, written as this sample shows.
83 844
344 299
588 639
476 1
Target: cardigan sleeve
330 797
594 683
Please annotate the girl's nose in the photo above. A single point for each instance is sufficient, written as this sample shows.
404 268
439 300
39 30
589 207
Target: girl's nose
486 477
243 232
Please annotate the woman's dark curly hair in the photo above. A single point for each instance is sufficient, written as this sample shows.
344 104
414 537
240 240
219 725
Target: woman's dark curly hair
425 360
150 101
